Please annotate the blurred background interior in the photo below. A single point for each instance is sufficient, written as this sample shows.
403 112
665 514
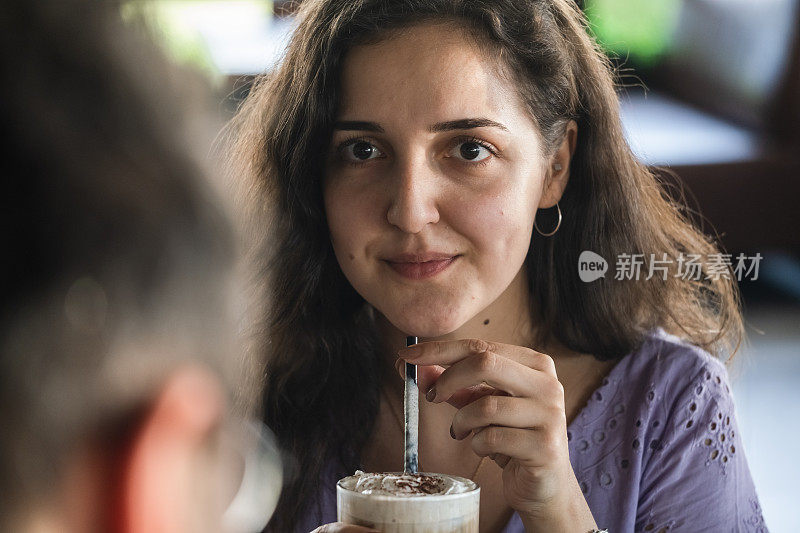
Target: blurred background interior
710 90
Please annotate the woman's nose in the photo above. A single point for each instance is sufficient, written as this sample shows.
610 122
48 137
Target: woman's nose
413 196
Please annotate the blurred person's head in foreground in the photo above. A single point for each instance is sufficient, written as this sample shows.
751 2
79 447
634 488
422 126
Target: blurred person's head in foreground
117 334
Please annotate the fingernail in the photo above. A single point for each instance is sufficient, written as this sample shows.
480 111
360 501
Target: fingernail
431 394
452 433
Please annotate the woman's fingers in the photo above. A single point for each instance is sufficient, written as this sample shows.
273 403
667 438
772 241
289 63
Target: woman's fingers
466 396
481 372
426 376
503 411
500 459
445 353
498 372
530 447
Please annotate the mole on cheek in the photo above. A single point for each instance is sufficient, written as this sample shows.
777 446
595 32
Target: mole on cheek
485 321
351 256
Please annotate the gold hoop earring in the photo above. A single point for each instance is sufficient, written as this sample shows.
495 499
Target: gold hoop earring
558 225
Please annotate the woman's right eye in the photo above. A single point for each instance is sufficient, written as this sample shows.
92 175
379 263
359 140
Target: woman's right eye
360 151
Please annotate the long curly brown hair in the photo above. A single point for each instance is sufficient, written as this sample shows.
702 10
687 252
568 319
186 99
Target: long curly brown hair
317 336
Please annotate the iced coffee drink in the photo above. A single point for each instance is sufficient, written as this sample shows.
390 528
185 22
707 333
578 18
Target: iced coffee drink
409 503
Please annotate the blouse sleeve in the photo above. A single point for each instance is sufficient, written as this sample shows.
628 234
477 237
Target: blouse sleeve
697 478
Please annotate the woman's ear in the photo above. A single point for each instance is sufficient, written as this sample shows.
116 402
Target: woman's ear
559 165
158 477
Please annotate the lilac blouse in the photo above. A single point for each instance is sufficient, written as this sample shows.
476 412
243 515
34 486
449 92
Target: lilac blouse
656 448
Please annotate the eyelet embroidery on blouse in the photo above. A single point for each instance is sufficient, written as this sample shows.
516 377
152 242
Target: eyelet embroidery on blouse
700 417
599 436
715 435
717 438
756 520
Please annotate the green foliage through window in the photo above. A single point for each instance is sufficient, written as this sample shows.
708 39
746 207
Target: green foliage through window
641 29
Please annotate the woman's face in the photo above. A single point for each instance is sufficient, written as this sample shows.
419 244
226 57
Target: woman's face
433 153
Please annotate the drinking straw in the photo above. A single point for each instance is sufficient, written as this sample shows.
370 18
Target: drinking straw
411 414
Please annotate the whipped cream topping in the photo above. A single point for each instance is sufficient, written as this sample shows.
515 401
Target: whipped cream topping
400 484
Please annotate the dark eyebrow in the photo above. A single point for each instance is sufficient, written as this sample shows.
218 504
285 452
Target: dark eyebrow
357 125
466 124
460 124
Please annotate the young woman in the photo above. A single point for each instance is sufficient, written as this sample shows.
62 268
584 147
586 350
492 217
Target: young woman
436 168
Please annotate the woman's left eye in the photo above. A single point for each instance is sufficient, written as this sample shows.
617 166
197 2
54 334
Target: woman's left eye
471 151
359 151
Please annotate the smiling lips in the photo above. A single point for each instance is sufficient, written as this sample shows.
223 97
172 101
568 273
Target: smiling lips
420 266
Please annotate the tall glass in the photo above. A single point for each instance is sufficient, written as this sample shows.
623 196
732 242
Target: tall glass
426 513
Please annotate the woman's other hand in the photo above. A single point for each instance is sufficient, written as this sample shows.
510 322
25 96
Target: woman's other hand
338 527
511 402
